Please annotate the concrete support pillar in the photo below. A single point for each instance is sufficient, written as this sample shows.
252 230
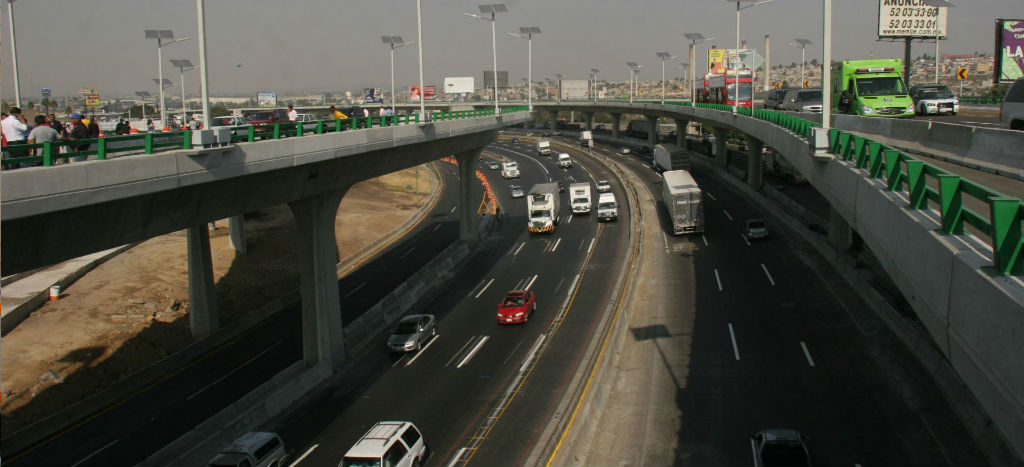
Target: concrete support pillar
721 150
467 208
755 167
616 120
203 317
588 119
840 235
554 120
236 234
681 139
652 136
323 337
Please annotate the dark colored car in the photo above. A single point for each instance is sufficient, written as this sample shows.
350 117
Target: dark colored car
780 446
775 98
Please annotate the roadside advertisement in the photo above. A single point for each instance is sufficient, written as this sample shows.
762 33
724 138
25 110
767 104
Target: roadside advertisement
458 84
1009 50
716 60
266 99
574 88
428 93
373 96
910 18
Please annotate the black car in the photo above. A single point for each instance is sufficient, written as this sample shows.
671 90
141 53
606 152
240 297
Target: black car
515 140
775 98
561 187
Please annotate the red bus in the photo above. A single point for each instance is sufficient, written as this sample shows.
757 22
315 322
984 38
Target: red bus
721 89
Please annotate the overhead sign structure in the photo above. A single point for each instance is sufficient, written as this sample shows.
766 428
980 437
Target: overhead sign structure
489 79
961 74
574 88
1009 50
910 18
266 99
428 93
458 85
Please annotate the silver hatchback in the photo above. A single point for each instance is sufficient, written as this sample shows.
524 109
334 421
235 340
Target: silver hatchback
412 333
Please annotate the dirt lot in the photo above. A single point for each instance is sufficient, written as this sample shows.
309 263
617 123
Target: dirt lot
63 352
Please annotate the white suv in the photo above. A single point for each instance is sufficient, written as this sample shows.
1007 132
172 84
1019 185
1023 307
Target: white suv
387 444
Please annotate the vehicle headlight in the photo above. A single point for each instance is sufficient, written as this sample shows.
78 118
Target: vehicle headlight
867 109
910 108
519 314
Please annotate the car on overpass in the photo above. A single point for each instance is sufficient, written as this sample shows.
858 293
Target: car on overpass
516 307
934 99
1011 112
774 99
802 100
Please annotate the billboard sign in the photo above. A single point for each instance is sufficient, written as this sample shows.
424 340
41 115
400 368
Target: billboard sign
716 60
458 85
266 99
489 79
910 18
45 92
428 93
1009 50
574 88
373 96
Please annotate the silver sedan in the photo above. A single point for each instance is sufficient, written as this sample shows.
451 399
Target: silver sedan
412 333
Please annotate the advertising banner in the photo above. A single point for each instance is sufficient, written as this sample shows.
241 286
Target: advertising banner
266 99
574 88
716 60
910 18
502 79
1009 50
428 93
373 96
458 84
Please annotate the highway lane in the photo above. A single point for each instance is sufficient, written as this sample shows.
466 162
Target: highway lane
127 433
461 378
774 344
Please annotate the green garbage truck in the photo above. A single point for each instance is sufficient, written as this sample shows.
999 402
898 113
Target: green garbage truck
873 88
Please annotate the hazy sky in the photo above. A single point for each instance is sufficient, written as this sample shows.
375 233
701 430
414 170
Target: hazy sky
335 45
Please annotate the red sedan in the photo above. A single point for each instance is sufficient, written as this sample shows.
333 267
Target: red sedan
517 307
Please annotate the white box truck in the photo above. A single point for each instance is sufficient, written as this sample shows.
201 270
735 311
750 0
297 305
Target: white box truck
670 157
544 148
607 209
509 170
580 197
585 138
542 207
564 161
682 198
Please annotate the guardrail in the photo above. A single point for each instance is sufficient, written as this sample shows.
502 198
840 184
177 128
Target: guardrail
903 173
50 153
981 100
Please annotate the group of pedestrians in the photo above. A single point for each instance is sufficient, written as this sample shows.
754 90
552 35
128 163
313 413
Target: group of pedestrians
45 128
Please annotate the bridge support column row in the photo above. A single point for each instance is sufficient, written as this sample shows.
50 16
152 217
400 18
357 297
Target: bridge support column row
840 234
721 149
755 168
467 177
203 317
652 136
616 120
681 140
588 119
323 337
554 120
236 234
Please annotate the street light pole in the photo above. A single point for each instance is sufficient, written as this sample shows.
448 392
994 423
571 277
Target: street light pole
558 95
632 72
736 101
527 33
204 83
803 43
419 45
160 35
14 52
493 10
664 56
183 66
593 94
937 4
395 42
826 68
695 38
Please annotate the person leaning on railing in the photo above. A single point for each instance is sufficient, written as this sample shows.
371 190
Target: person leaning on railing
41 133
78 132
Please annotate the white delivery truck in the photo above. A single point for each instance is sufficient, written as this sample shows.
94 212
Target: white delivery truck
544 148
542 207
509 170
564 161
607 210
585 138
670 157
682 198
580 197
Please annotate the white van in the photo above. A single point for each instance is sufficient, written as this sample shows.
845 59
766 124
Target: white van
607 209
391 444
253 449
564 161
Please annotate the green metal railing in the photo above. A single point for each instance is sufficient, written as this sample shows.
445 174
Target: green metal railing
51 153
981 100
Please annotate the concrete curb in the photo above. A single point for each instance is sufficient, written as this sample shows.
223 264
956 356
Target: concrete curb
23 310
597 364
912 334
124 388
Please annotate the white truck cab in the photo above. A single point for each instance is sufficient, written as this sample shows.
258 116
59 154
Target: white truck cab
607 208
544 148
394 444
564 161
579 197
509 170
